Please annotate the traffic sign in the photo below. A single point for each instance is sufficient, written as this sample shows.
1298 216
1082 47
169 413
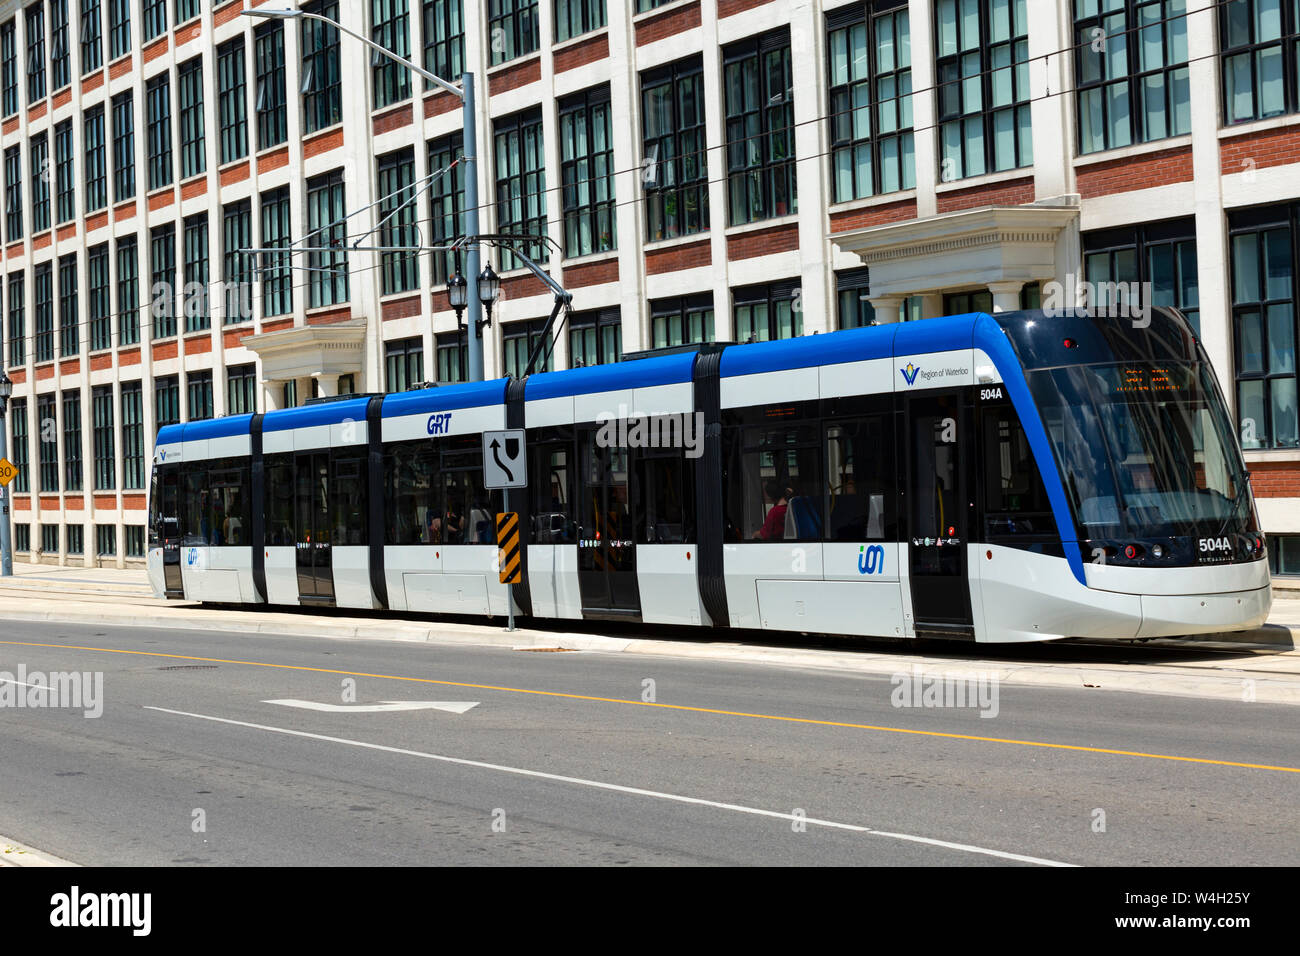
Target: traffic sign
8 471
503 459
508 557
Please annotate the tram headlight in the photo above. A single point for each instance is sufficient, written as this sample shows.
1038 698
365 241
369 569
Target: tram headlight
1157 551
1132 551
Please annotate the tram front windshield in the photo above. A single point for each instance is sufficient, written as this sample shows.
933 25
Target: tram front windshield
1145 450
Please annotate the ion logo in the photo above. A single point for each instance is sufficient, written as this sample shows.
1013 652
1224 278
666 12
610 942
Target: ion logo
909 373
871 560
1215 544
192 557
439 423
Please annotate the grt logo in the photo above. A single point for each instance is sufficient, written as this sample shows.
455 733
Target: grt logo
439 422
871 560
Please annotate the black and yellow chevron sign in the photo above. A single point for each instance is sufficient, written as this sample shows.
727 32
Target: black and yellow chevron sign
508 548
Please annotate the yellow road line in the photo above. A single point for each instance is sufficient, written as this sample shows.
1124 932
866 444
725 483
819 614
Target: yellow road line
680 707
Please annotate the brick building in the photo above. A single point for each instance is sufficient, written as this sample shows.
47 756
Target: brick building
703 169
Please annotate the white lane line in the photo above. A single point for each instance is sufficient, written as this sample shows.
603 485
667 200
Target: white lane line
619 788
385 706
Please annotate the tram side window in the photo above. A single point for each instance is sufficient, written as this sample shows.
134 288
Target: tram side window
469 508
230 506
196 518
413 512
278 503
1015 501
348 509
860 480
666 511
772 484
551 481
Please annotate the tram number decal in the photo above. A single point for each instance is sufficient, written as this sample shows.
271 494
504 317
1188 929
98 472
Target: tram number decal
1213 545
990 394
871 560
439 423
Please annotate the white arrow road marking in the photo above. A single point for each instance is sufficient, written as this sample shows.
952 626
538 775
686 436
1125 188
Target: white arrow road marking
453 706
619 788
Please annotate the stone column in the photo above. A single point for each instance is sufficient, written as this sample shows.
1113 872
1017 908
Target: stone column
886 307
1006 295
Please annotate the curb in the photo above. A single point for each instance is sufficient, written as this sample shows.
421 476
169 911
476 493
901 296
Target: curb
13 853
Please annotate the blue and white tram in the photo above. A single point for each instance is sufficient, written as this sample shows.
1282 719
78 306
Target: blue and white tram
1008 477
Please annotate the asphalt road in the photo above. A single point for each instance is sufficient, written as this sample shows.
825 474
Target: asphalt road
563 762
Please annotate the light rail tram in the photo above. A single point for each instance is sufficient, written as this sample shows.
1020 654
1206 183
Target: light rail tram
1005 477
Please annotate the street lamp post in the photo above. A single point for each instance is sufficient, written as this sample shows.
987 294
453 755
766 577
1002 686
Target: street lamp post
489 286
466 95
457 296
6 546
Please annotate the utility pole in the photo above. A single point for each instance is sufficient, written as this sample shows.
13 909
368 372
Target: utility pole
6 545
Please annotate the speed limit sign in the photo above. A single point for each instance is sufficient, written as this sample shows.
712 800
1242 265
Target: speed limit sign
8 471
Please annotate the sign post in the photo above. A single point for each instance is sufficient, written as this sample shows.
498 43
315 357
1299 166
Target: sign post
8 472
505 465
508 557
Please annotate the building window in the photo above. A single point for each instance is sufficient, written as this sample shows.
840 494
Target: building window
35 52
852 286
123 147
69 329
65 189
43 286
236 266
72 476
98 309
166 401
106 540
675 163
17 321
444 38
1263 245
76 540
60 74
119 28
132 436
322 84
277 279
981 300
327 259
105 424
194 295
241 390
682 320
14 193
272 116
644 5
983 73
96 160
50 538
39 166
19 447
128 291
1119 264
189 91
92 37
576 17
22 536
1130 72
450 347
158 98
9 68
154 18
392 32
135 541
446 202
162 280
518 339
587 173
48 441
289 394
399 271
1260 54
513 26
759 89
232 100
595 338
186 10
765 312
870 63
403 364
521 183
198 387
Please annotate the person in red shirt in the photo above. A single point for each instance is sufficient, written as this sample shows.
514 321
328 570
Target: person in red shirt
774 527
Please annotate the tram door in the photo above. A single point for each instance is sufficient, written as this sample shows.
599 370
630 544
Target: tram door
606 538
311 523
169 531
939 513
